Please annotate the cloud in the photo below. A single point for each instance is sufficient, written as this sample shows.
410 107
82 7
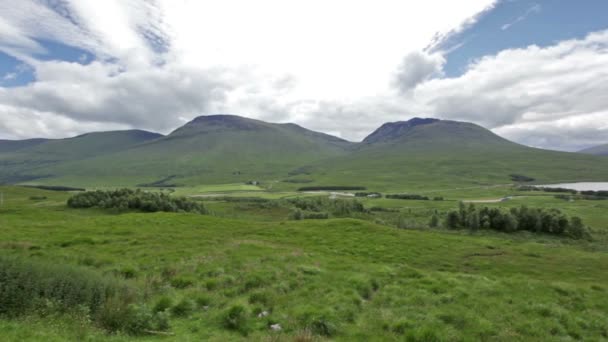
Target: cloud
534 9
418 67
156 63
530 87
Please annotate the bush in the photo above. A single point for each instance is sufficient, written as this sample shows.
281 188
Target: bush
30 287
304 207
182 282
331 188
368 194
319 323
521 178
236 318
164 303
184 308
125 199
536 220
408 197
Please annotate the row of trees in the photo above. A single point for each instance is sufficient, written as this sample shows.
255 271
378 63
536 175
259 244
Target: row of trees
305 206
538 220
127 199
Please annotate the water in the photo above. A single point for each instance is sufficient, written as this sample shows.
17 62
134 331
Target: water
582 186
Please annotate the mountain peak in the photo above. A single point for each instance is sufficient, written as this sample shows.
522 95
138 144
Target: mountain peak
393 130
218 122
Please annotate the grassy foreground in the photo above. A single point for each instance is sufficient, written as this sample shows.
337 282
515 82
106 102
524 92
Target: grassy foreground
344 279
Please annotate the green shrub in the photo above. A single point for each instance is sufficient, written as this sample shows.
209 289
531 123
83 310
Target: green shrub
236 318
125 199
40 287
184 308
319 323
164 303
182 282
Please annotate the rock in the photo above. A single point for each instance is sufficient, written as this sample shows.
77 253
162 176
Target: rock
275 327
263 314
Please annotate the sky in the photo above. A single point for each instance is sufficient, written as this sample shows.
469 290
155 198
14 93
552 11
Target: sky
535 72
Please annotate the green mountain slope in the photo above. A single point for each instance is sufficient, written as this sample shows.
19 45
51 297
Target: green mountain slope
209 149
30 159
427 153
219 149
7 146
601 150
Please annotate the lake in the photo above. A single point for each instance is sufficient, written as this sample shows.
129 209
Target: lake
581 186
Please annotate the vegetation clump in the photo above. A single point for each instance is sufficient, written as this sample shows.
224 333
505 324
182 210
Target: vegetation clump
545 189
29 287
331 188
127 199
408 197
368 194
536 220
336 207
521 178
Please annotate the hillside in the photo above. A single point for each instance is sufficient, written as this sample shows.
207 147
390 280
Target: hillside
220 149
428 153
208 149
30 159
16 145
601 150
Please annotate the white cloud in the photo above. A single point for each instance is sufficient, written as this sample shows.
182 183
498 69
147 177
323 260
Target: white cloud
159 62
534 9
418 67
343 67
530 87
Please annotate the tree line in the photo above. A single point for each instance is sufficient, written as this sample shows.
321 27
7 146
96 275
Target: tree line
537 220
128 199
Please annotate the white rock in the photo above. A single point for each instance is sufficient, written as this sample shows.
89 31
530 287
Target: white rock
275 327
263 314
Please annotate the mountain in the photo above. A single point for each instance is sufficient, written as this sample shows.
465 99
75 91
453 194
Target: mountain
219 149
601 150
30 159
208 149
16 145
423 153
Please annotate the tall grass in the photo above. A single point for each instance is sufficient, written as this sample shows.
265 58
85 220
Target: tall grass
34 287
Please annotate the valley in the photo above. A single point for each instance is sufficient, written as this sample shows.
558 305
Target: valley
235 229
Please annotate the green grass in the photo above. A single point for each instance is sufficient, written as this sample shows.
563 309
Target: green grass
343 279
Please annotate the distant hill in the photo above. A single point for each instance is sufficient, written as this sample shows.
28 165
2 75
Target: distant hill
214 149
16 145
430 153
208 149
601 150
30 159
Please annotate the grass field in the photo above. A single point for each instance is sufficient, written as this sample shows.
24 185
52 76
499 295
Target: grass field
342 279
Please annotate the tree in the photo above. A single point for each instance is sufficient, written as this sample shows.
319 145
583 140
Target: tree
576 229
452 220
473 220
510 223
434 223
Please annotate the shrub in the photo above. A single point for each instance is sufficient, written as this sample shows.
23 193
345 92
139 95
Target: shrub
331 188
236 318
408 197
164 303
124 199
182 282
319 323
536 220
323 205
184 308
28 287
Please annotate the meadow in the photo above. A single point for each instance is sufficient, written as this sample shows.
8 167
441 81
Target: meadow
246 271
